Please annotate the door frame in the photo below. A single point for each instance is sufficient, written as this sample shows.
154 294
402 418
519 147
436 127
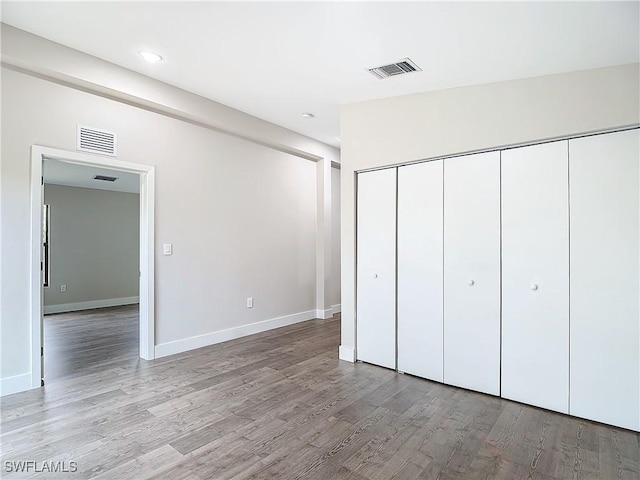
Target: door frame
147 246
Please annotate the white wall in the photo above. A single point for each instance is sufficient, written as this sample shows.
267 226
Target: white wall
414 127
94 247
335 238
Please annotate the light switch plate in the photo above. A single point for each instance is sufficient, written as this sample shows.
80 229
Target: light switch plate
167 249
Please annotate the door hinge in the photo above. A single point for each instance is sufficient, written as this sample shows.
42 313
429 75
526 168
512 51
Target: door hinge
42 351
41 180
41 266
42 382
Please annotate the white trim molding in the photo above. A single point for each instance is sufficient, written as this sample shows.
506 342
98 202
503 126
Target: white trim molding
336 308
147 249
324 314
15 384
348 354
78 306
199 341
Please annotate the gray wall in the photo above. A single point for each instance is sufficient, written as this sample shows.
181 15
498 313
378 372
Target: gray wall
94 245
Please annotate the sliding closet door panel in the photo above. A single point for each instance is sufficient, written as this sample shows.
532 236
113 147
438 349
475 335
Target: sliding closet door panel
605 242
420 270
535 275
472 272
376 268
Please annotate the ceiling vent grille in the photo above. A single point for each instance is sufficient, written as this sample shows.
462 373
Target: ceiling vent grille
105 178
95 140
399 68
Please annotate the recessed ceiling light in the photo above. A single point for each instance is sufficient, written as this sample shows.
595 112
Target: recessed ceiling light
150 57
307 115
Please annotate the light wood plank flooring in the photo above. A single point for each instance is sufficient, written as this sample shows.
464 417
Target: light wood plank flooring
281 405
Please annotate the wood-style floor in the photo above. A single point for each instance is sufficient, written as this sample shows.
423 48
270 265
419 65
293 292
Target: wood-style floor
79 343
281 405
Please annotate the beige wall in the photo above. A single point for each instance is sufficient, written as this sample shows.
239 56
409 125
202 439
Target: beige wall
94 245
414 127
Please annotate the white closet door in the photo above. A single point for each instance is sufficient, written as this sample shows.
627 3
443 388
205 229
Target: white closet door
605 243
472 272
376 268
420 266
535 275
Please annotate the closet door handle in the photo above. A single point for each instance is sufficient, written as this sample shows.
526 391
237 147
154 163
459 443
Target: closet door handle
471 283
534 286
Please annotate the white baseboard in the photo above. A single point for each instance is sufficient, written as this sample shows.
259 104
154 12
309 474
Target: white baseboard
15 384
324 314
75 307
348 354
336 308
191 343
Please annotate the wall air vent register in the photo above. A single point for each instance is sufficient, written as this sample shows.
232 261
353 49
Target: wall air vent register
95 140
105 178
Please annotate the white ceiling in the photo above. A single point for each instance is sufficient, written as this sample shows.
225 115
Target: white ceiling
276 60
73 175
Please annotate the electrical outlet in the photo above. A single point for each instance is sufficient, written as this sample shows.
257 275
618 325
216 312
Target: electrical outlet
250 302
63 288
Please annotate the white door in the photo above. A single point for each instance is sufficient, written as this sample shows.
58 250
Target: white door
472 272
376 268
420 248
605 243
535 275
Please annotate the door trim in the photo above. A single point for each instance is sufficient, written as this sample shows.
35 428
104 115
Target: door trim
147 245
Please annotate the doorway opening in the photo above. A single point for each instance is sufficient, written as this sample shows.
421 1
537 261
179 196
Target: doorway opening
117 322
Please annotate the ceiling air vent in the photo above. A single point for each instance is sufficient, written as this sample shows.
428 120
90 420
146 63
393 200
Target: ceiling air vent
399 68
105 178
96 141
